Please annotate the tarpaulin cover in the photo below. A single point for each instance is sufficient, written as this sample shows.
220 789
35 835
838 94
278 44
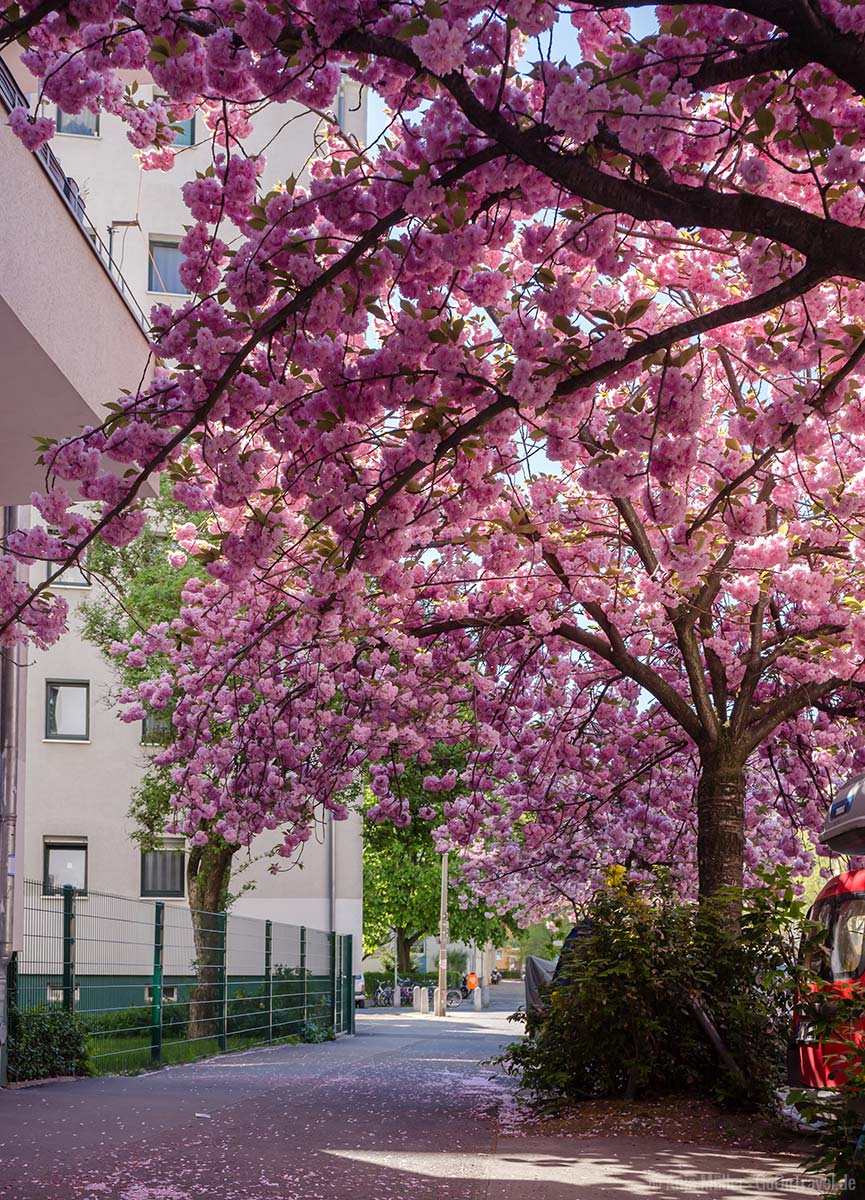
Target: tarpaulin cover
539 973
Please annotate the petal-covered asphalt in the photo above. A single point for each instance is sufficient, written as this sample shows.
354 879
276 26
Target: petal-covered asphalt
283 1123
403 1111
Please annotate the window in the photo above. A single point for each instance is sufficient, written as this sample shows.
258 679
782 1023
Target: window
186 136
65 864
848 938
54 994
156 728
163 268
73 576
67 710
184 131
169 994
162 870
83 124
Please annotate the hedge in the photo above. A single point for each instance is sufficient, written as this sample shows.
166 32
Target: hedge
46 1042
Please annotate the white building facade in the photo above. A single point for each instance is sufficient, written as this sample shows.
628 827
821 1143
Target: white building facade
81 762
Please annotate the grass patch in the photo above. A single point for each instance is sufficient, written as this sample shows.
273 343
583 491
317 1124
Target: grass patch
131 1055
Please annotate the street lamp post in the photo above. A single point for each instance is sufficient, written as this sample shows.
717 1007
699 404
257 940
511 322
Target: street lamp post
441 1002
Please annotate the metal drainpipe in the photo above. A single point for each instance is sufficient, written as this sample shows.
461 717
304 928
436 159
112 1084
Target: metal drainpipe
9 694
331 870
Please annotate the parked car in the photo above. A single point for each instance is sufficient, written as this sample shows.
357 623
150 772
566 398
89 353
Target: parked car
359 992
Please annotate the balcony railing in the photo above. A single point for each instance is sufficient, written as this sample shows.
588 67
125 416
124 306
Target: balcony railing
11 97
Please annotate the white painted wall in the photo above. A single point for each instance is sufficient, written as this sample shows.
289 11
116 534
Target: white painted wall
82 789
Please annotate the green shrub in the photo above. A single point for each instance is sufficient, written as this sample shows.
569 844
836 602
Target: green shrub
311 1031
621 1018
137 1018
45 1042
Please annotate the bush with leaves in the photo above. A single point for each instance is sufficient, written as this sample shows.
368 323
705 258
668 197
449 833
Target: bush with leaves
628 1013
312 1031
45 1042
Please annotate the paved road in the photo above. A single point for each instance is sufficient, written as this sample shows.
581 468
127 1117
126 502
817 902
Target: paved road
403 1111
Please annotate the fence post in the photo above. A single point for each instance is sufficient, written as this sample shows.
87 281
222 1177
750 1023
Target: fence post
8 1004
222 984
68 948
349 956
303 968
268 975
156 984
334 982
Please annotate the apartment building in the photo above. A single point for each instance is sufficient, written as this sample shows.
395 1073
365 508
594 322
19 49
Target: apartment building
82 762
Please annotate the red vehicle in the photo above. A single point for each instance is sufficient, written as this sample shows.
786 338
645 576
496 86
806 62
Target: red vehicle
840 964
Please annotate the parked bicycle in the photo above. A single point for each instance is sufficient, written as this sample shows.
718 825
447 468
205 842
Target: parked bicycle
383 996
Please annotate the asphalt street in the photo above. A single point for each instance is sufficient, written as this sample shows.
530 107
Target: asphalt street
402 1111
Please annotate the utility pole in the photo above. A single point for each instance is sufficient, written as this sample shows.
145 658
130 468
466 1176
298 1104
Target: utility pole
441 1004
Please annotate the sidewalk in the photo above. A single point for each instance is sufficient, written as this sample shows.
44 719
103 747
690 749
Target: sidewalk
403 1111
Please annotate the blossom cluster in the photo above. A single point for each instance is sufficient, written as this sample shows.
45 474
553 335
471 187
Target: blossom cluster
535 428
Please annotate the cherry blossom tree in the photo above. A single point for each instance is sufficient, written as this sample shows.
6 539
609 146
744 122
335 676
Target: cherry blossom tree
536 425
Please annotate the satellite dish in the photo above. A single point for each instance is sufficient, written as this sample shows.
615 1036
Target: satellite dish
844 830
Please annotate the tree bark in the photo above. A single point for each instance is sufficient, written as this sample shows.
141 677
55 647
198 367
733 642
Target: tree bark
404 946
207 875
720 822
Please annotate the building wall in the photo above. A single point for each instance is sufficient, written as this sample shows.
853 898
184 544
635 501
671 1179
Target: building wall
68 341
81 789
115 189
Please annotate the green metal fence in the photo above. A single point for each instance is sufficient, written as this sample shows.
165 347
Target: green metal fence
157 983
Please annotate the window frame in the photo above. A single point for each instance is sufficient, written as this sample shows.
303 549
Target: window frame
178 848
190 121
59 114
58 999
67 737
70 843
169 993
60 582
165 242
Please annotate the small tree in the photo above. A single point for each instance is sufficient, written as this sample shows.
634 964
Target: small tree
140 587
402 873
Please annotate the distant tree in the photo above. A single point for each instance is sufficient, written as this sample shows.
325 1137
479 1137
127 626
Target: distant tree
539 940
402 872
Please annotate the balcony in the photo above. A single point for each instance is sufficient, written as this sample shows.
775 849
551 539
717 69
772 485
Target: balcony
72 335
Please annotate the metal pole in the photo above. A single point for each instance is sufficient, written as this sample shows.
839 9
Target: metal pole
441 1000
68 948
156 985
333 981
222 1022
303 969
350 986
268 975
331 871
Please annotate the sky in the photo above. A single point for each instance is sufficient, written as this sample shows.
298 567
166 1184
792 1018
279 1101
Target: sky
643 22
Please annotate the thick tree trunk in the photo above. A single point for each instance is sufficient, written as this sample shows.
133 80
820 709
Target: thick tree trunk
720 823
207 874
404 946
